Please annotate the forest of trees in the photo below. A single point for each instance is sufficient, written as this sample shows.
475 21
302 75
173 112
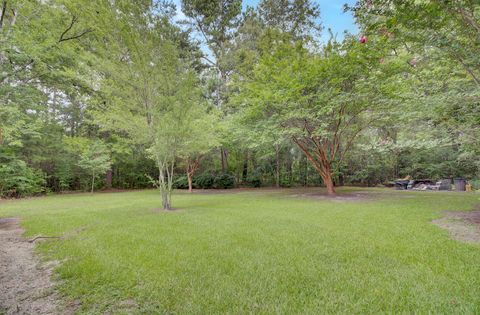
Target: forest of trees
125 94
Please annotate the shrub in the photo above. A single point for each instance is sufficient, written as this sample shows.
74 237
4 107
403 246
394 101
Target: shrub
224 181
254 181
204 181
17 179
285 182
180 182
475 183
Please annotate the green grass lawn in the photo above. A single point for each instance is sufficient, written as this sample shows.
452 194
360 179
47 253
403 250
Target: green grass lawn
257 252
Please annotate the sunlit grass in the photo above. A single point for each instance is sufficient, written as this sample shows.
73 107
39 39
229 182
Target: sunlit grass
257 252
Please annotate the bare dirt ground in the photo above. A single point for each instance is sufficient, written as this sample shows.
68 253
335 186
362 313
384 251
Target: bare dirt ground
25 283
322 195
301 192
463 226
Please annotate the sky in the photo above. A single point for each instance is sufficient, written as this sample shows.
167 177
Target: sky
332 16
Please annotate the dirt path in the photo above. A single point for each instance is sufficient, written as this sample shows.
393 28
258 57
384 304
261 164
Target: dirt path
25 283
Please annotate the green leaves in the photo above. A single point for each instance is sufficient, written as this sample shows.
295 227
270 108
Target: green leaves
95 160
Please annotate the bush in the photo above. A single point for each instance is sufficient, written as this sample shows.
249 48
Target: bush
17 179
224 181
204 181
254 181
180 182
285 182
475 183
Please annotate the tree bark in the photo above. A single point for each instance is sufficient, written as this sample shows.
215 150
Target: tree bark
192 168
277 166
321 164
303 171
164 183
2 16
93 181
190 186
108 179
222 157
328 181
245 167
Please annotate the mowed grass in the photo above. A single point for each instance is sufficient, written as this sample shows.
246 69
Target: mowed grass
257 252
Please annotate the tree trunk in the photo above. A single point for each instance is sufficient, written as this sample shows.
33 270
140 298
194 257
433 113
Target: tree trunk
163 184
225 157
108 179
277 166
245 167
222 157
93 181
290 170
322 165
328 181
189 177
2 16
305 182
166 200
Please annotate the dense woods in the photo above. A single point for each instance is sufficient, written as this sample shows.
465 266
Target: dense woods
124 94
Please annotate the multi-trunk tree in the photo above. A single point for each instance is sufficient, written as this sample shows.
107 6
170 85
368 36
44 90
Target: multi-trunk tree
321 101
150 92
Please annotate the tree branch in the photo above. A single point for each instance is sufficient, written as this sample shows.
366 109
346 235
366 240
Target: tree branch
209 61
76 36
72 23
4 9
465 66
74 19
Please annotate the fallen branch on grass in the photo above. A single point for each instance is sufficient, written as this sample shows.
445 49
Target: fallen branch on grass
42 237
67 235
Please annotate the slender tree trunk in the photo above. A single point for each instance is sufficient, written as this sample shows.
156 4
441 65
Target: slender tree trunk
245 167
163 184
222 157
225 157
170 184
305 174
93 181
290 170
277 166
108 179
190 186
2 15
192 168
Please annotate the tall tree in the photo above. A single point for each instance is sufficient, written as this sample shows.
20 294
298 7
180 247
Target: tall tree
216 21
321 102
149 91
299 18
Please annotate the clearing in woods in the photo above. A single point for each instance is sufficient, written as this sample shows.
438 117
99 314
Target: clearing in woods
239 251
